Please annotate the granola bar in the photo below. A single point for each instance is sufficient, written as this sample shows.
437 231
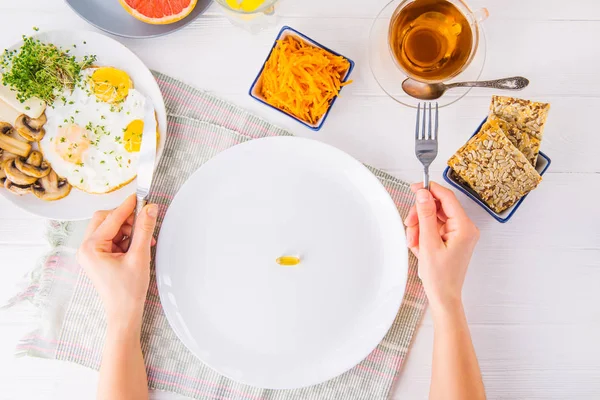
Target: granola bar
528 116
494 168
527 144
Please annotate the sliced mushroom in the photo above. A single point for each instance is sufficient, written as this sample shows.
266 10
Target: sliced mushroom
51 187
11 144
16 176
2 173
34 165
17 189
30 128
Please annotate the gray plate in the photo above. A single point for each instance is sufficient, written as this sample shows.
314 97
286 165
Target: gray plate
111 17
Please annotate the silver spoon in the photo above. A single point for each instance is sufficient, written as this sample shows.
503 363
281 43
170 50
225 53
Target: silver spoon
432 91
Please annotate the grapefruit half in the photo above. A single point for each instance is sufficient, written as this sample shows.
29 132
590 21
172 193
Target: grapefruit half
159 12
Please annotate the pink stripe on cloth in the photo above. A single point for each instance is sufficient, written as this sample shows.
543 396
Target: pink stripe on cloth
197 109
214 106
154 303
151 378
151 368
30 291
183 137
404 198
214 396
374 371
378 356
57 266
207 382
415 289
52 259
191 138
153 289
56 262
383 363
165 195
162 210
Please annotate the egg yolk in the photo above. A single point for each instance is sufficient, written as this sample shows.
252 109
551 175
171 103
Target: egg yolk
110 85
71 143
132 138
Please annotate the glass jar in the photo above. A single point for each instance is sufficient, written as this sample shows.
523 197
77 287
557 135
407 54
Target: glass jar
251 15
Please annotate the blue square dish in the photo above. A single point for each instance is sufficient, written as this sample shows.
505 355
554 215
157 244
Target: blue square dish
254 89
542 165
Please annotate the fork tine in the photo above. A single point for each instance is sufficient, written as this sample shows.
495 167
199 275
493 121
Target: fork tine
436 121
418 116
424 134
429 134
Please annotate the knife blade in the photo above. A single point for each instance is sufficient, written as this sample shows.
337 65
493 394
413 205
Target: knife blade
147 152
147 158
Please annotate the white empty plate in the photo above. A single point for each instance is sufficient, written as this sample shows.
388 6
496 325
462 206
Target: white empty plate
253 320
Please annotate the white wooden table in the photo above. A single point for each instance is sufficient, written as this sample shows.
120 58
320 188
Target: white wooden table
532 293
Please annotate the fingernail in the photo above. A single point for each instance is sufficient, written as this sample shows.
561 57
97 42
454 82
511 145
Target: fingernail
423 196
152 210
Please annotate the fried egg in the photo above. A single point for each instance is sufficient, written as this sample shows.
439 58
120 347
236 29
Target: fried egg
93 133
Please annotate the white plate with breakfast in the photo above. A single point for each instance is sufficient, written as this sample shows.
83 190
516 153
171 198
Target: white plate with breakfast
281 262
71 120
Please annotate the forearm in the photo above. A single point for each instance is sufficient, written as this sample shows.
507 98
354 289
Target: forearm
122 373
455 370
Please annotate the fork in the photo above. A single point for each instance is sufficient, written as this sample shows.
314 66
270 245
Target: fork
426 141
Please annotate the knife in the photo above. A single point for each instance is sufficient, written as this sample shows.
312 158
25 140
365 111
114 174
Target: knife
146 162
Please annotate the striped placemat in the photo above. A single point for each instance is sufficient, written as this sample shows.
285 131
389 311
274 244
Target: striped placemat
71 322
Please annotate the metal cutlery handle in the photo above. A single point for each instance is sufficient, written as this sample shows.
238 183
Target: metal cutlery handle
512 83
141 202
426 178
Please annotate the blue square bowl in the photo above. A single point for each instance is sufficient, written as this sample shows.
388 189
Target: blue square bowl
254 89
542 165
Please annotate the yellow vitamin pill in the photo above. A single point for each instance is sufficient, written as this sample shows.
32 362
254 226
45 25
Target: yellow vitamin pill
288 261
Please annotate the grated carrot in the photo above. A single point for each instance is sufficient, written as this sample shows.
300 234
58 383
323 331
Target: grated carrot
301 79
